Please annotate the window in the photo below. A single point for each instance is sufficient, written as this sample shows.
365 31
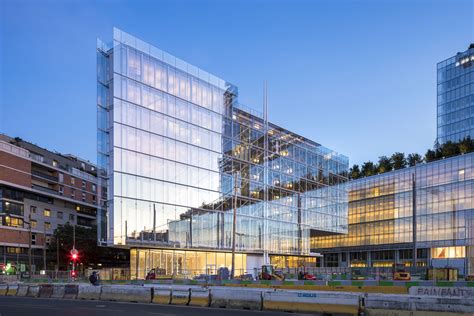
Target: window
93 188
83 197
73 180
47 225
34 223
71 217
48 240
33 239
73 193
83 165
60 214
61 190
55 163
83 184
33 209
448 252
13 221
46 212
61 177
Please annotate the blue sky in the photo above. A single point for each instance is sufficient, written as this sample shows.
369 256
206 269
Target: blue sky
356 76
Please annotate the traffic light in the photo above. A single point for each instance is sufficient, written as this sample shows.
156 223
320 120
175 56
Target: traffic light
74 255
73 273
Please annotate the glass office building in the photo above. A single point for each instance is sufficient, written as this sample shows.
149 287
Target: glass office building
456 97
381 226
178 153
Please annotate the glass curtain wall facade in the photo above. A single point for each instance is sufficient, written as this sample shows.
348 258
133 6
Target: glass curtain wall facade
456 97
381 218
174 146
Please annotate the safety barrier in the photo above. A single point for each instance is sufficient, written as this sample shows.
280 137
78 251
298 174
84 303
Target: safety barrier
71 291
238 299
200 297
138 294
45 291
58 291
312 302
88 292
33 290
22 290
12 289
161 295
180 296
3 289
378 304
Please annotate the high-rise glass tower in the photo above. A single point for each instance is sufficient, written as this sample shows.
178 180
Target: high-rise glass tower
456 97
178 154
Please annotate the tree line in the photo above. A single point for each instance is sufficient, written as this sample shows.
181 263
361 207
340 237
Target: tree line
399 160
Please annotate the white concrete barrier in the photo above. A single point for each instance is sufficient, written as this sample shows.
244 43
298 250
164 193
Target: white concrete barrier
12 289
3 289
22 290
88 292
200 297
238 299
33 290
161 295
180 296
376 304
124 293
58 291
311 302
448 292
71 291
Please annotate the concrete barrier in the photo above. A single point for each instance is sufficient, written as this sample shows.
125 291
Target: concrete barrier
22 290
12 289
58 291
161 295
88 292
312 302
238 299
33 290
449 292
45 290
71 291
124 293
3 289
180 296
200 297
375 303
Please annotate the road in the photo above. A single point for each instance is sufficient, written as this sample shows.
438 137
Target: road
23 306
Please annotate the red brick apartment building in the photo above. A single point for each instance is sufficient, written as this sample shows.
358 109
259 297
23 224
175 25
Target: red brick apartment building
47 187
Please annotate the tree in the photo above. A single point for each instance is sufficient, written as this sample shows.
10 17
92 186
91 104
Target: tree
430 155
368 169
399 161
449 149
385 164
466 145
414 159
354 172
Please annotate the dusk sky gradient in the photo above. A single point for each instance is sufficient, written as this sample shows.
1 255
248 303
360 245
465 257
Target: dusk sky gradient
358 77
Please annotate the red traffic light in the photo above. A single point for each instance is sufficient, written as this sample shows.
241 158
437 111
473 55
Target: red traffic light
73 273
74 256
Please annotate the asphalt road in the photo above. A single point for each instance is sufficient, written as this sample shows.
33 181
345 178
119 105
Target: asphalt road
23 306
